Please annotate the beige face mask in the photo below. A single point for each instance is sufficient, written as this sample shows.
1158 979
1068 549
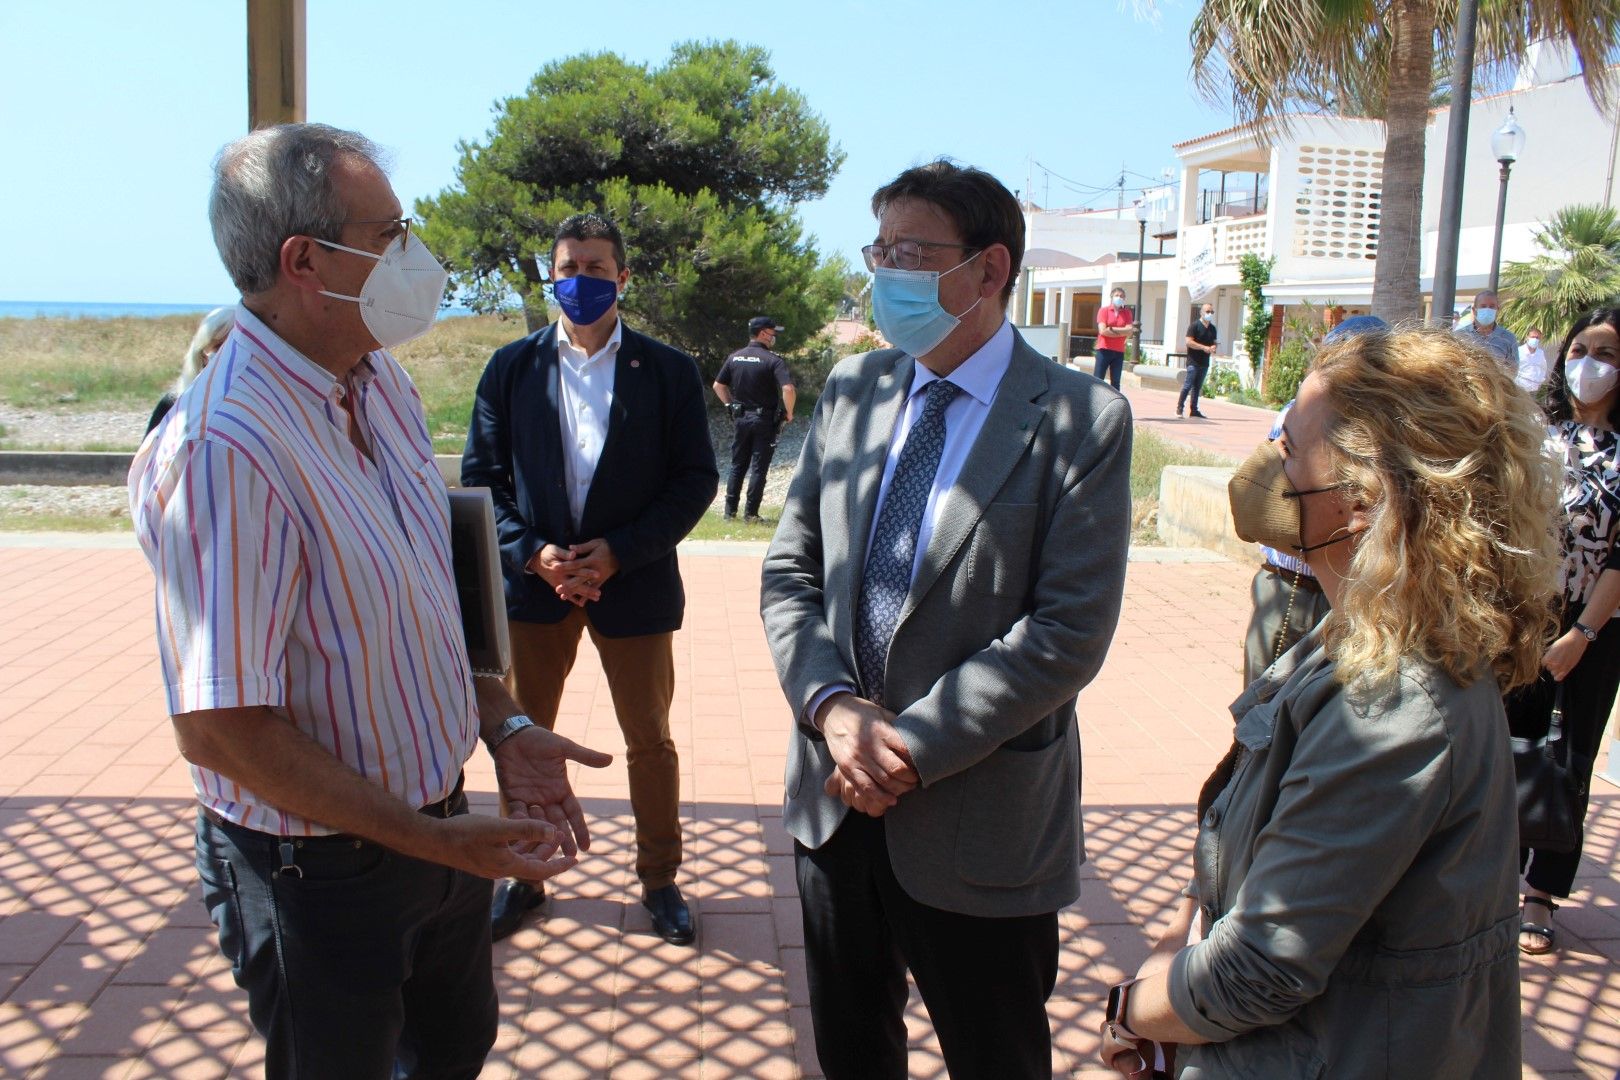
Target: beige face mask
1265 506
1262 512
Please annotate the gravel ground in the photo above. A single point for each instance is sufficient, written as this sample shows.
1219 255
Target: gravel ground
32 500
776 481
60 429
39 428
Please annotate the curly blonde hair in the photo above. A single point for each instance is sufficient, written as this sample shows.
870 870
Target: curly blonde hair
1443 452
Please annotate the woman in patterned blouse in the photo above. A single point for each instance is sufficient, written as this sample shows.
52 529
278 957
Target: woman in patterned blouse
1583 406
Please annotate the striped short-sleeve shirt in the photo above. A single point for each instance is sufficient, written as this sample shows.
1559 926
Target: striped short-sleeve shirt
295 573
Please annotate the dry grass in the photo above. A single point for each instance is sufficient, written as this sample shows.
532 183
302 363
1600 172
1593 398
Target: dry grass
1150 455
96 364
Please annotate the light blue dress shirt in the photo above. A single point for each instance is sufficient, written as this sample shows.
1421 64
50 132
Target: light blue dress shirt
978 377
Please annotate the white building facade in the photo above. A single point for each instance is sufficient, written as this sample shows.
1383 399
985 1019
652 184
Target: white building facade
1309 197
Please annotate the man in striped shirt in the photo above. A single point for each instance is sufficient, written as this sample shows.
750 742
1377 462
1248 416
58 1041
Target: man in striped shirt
311 639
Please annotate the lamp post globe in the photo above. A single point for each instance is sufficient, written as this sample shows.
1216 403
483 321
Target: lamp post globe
1507 143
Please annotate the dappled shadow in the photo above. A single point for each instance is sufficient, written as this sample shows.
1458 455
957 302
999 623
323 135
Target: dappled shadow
113 964
110 966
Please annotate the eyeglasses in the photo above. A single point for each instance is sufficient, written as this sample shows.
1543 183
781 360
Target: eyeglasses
404 224
904 254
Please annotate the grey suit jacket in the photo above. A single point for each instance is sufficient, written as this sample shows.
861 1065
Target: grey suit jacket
1009 616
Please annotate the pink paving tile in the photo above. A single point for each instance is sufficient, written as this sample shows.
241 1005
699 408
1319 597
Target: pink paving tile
83 1068
28 936
579 989
69 975
123 1020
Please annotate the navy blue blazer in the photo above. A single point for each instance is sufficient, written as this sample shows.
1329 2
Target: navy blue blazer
653 482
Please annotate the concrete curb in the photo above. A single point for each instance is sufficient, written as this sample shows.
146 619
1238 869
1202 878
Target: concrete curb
1194 511
64 468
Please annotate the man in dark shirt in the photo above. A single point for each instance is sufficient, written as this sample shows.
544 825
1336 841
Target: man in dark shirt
1201 338
756 386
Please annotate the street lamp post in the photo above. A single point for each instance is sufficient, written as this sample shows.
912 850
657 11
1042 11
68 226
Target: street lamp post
1141 250
1507 143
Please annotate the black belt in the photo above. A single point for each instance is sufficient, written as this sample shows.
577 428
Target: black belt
1303 581
438 808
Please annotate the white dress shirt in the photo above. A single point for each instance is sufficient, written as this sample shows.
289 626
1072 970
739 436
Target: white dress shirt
1532 367
978 377
584 404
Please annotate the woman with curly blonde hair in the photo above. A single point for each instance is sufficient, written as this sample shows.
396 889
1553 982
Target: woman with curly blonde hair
1353 868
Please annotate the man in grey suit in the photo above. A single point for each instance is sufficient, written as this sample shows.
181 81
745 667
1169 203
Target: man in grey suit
946 577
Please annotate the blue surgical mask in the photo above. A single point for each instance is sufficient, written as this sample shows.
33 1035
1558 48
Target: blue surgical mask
1485 316
584 299
905 305
1119 301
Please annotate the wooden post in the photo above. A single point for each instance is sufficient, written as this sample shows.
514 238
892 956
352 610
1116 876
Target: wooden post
276 84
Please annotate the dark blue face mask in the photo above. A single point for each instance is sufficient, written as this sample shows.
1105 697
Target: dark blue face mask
585 299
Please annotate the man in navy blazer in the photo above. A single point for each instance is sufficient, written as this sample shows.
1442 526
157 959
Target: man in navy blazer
595 442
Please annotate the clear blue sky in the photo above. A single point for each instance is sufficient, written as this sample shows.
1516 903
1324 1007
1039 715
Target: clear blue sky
111 111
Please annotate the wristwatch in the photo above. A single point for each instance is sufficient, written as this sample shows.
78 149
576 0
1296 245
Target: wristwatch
1118 1006
1586 631
509 728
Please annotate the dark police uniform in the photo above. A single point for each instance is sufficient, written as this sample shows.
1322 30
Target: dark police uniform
755 376
1205 333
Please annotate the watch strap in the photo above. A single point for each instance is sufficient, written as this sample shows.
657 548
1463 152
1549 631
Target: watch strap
509 727
1586 631
1119 998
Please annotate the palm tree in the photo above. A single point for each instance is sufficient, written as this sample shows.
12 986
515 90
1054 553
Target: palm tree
1277 56
1579 270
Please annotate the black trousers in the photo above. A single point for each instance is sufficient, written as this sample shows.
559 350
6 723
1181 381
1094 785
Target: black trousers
752 447
1193 382
358 962
1109 364
1589 691
985 981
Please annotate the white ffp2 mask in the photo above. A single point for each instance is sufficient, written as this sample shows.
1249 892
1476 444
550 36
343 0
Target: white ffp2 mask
400 298
1589 379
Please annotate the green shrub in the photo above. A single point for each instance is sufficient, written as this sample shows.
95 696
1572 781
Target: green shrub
1302 330
1288 369
1221 382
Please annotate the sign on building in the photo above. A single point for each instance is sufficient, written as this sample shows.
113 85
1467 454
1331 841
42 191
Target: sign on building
1201 266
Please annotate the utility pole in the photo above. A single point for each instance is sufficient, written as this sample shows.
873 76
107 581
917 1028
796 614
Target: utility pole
1451 183
276 82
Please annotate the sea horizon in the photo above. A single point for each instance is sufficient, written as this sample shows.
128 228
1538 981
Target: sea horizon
67 309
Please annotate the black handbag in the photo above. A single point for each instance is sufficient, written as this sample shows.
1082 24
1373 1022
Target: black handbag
1552 787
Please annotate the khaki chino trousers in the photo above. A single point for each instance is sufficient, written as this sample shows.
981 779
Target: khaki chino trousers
640 675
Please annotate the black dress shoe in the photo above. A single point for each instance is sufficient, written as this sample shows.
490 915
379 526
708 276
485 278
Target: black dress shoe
513 900
1195 413
672 919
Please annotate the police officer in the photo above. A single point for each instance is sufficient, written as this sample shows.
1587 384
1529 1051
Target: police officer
756 387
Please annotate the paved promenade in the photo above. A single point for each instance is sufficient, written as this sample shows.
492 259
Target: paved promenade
108 966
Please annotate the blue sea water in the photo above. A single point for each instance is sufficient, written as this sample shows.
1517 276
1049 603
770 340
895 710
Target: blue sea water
57 309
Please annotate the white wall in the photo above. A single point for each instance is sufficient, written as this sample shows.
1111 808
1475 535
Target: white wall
1087 236
1569 157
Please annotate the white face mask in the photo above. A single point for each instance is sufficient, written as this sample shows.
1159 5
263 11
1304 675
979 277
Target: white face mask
1589 379
400 298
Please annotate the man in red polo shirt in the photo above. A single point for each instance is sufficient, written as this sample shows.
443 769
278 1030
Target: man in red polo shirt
1114 325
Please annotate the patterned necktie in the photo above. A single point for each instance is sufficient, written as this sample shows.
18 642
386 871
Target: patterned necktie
894 543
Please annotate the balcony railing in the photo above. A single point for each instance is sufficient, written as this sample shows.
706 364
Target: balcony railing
1232 239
